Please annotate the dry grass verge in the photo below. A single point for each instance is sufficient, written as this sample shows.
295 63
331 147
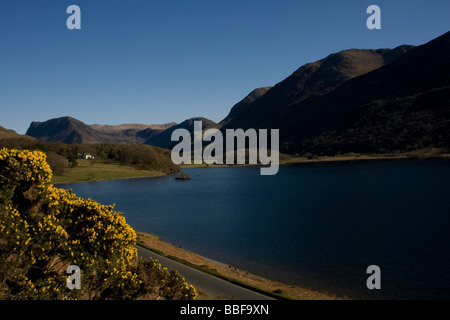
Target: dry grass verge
235 275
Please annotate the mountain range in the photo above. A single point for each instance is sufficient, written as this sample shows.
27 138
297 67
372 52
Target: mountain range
356 100
71 131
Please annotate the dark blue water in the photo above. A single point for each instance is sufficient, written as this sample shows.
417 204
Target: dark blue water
315 225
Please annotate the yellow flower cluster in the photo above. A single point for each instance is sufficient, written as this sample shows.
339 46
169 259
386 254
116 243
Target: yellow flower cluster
26 165
14 228
51 287
55 227
93 227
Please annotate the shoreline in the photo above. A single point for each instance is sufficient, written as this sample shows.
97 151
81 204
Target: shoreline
102 171
113 179
413 155
424 154
240 277
133 173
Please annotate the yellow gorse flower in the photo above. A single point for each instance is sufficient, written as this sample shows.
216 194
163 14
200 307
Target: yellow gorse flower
58 226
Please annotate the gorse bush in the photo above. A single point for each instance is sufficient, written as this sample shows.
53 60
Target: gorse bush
43 230
161 282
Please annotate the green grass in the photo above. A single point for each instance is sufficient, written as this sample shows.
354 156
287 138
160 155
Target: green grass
101 170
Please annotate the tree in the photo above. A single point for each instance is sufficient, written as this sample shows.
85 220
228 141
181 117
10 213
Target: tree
57 163
71 153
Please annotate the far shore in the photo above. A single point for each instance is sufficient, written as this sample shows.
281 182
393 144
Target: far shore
86 171
112 179
230 273
424 154
103 171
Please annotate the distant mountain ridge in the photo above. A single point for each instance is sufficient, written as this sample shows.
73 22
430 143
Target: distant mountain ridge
137 127
65 129
356 100
70 130
163 140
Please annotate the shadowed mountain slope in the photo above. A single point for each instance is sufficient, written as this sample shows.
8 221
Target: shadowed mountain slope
69 130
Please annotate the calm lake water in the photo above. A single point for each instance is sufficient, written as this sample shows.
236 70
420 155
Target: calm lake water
315 225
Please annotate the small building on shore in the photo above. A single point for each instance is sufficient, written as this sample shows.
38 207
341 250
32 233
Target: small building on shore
87 156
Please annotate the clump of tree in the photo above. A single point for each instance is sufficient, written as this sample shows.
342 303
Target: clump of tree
71 153
143 156
383 126
57 163
44 229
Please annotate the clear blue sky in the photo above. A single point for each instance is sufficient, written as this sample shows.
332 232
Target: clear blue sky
145 61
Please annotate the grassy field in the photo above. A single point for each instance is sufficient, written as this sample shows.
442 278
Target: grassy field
101 170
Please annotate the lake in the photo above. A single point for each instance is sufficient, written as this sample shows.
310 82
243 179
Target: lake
314 225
